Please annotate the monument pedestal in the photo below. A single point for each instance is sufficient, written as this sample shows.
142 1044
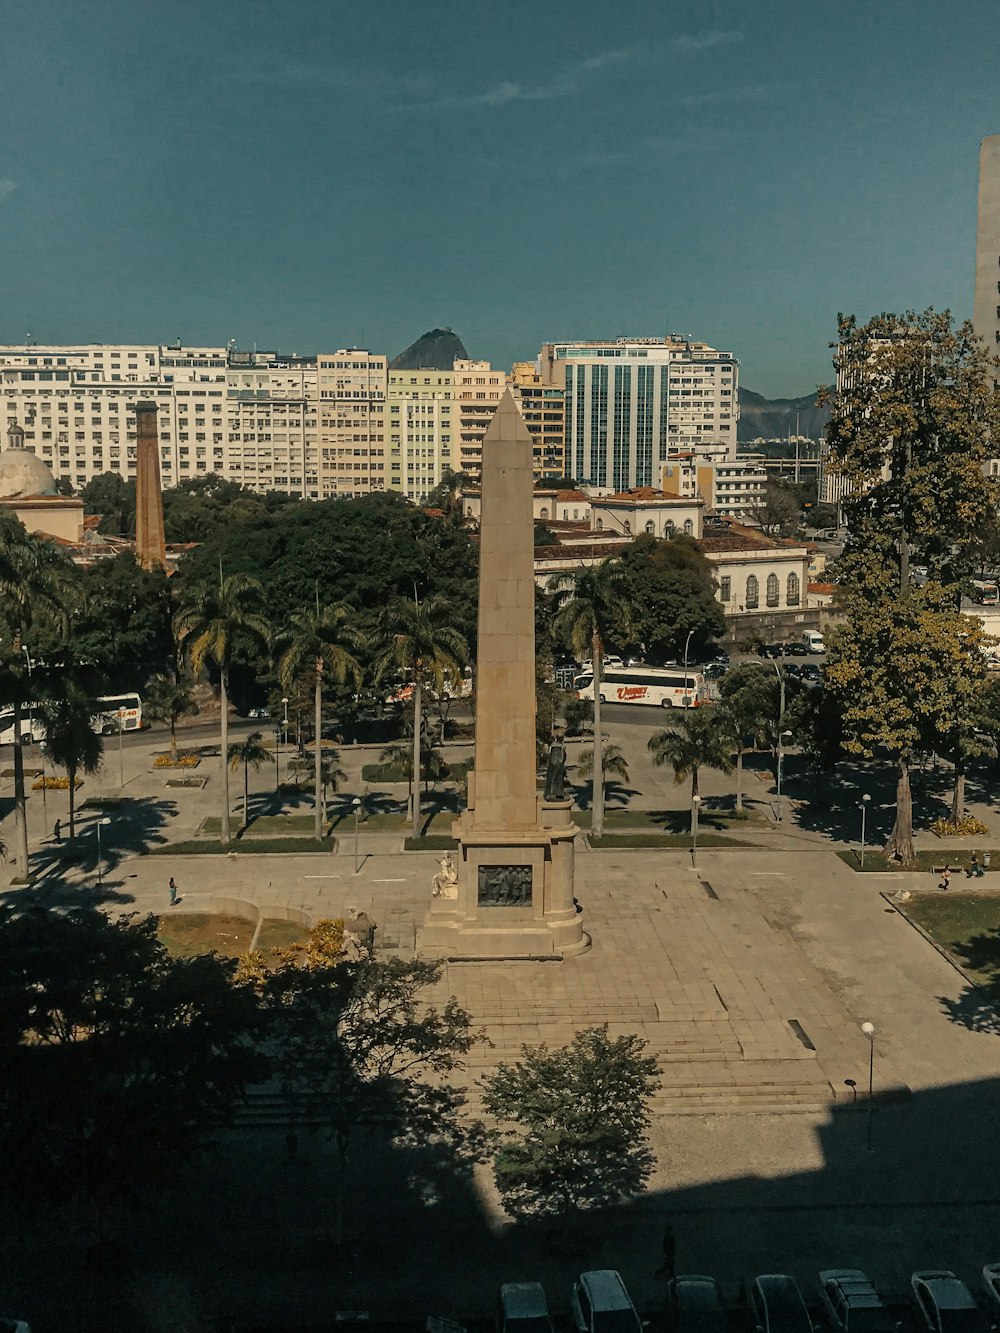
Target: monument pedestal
514 893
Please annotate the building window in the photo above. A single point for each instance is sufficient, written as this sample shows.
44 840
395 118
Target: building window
772 590
753 593
725 588
651 527
688 527
792 590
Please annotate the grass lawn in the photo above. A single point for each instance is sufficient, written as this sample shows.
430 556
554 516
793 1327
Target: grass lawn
275 934
188 934
638 839
673 821
876 863
432 842
967 926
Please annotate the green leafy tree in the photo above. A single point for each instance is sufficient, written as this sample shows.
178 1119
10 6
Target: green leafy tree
124 625
579 1121
912 423
815 720
212 623
359 1042
593 606
36 586
699 739
749 703
779 512
246 754
70 739
113 497
118 1059
168 699
320 642
672 595
613 761
421 642
904 672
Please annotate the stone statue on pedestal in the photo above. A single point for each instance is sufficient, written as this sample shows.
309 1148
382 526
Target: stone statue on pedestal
555 772
445 882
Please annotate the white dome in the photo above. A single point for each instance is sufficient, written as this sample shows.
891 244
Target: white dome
23 473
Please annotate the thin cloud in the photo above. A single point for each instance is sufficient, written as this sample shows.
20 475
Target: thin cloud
704 41
754 92
565 84
7 186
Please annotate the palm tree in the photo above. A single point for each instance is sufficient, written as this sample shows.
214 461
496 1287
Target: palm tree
70 738
591 604
321 641
247 752
214 620
699 740
168 699
748 706
612 761
331 775
33 581
421 640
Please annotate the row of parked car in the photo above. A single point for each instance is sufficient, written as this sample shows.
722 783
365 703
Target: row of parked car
600 1303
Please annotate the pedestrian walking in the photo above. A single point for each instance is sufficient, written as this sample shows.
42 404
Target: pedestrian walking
57 830
945 878
668 1246
173 892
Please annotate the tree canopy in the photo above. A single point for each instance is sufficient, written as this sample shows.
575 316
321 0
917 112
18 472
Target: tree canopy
671 593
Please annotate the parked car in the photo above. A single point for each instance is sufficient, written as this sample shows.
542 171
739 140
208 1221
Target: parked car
810 673
608 660
697 1304
714 670
771 650
522 1308
852 1304
944 1304
13 1326
991 1279
600 1304
794 649
720 656
776 1305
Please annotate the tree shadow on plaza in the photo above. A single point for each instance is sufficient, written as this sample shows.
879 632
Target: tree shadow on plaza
830 802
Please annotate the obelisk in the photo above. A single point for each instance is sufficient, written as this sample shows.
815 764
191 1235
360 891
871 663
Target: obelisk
150 547
513 895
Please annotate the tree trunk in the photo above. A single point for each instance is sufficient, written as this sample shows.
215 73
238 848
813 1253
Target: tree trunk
246 795
739 775
340 1189
71 774
20 805
225 833
958 795
899 848
318 753
173 738
694 793
597 815
415 777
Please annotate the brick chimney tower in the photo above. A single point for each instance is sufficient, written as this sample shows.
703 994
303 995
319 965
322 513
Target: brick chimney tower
150 549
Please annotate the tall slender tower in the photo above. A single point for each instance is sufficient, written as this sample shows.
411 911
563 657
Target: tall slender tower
986 306
150 548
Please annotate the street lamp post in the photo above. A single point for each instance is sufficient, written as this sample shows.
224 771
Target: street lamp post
695 807
687 645
865 800
284 726
121 754
357 812
780 753
100 870
869 1030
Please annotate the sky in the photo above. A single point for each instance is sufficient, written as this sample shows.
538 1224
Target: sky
313 174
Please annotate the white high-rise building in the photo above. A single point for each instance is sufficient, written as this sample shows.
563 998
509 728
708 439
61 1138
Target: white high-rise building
309 426
632 403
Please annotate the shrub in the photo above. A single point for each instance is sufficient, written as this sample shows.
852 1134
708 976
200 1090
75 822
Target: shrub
966 827
188 759
52 784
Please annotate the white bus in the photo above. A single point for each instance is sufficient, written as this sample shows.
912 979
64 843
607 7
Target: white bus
32 726
117 712
112 713
985 592
662 687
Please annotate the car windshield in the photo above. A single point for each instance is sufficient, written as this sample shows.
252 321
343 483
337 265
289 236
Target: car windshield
785 1310
871 1320
616 1321
529 1324
962 1321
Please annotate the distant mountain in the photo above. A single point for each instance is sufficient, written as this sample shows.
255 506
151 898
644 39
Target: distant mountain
437 350
774 418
